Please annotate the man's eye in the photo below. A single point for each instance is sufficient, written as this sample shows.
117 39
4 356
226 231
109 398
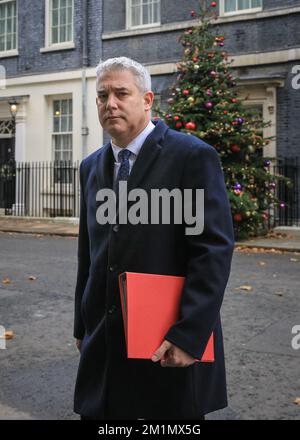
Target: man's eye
101 97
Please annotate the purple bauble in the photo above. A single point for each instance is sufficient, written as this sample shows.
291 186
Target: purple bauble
237 186
209 104
267 163
240 120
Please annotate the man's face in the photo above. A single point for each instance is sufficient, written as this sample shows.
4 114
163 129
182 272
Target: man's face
123 110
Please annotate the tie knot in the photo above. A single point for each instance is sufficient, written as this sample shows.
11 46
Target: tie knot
124 155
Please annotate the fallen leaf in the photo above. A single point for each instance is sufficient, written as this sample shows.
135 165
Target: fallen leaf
279 293
262 263
293 259
6 280
7 335
31 277
297 401
244 288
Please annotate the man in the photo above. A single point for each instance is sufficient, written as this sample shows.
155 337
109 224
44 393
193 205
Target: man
171 385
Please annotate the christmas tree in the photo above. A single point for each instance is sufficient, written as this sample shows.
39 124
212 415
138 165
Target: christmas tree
204 102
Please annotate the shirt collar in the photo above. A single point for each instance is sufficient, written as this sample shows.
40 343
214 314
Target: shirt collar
136 144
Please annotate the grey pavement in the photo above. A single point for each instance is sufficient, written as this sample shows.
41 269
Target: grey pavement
38 366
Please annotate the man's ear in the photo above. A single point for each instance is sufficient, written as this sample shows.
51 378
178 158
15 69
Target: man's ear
148 99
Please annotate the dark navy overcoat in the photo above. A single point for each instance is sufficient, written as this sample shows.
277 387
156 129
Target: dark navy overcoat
110 386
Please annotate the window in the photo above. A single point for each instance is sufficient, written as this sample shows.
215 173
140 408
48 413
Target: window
8 25
62 140
241 6
143 13
61 21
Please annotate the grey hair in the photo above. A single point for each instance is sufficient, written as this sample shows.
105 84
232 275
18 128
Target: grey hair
123 63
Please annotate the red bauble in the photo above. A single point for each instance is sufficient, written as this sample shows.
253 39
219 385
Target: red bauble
195 59
213 4
193 13
234 100
185 92
190 126
237 217
213 73
235 148
176 118
178 124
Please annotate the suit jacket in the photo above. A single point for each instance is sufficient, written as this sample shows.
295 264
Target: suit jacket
108 384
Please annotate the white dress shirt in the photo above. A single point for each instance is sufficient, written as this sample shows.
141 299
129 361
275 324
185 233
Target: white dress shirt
134 147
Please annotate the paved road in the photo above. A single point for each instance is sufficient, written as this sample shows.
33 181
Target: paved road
38 366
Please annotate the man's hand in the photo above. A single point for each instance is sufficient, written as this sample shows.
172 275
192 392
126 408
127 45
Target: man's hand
172 356
78 343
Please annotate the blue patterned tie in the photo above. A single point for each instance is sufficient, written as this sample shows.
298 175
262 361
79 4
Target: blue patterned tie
123 173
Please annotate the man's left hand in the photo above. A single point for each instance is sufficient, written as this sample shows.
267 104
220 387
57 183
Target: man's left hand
172 356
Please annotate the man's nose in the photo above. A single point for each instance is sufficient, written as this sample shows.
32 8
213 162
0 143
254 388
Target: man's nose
111 101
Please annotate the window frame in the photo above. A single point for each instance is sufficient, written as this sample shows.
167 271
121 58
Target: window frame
238 11
48 29
141 26
13 51
61 133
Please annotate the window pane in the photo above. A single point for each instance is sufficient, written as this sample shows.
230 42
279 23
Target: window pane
64 106
156 15
2 27
256 3
146 15
55 18
63 16
135 16
2 42
55 4
63 34
64 123
9 26
69 15
9 9
55 35
2 11
243 4
9 42
56 125
230 5
69 33
63 3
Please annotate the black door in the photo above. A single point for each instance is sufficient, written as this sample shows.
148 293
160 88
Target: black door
7 175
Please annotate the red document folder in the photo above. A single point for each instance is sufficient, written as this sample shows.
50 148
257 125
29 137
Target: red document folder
150 306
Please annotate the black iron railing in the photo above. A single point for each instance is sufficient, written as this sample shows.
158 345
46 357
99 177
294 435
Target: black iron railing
289 213
51 189
40 189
